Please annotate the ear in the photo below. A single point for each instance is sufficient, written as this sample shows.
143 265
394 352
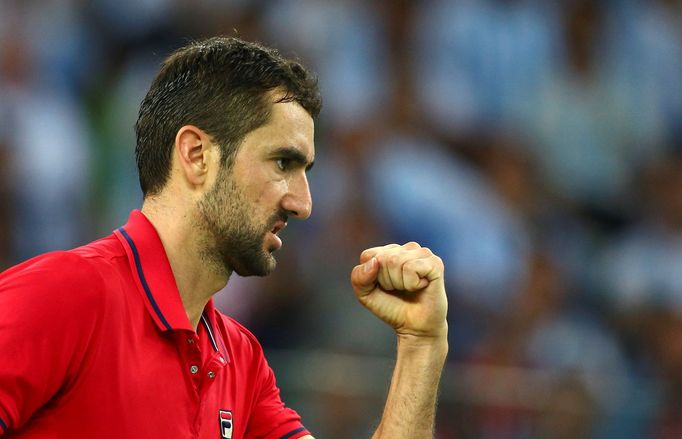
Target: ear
192 151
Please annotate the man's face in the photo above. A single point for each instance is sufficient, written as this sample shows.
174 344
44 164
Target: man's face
250 202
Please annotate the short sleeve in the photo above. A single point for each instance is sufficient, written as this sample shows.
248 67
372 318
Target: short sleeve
270 418
49 308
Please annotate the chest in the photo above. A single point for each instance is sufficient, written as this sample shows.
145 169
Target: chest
140 382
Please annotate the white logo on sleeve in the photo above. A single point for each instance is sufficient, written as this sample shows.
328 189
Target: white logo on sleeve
225 418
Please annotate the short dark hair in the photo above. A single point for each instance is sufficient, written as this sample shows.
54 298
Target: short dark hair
220 85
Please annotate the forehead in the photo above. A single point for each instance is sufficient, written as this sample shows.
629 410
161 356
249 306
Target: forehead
289 125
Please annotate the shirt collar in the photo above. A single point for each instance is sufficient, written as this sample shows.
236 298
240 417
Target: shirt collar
153 274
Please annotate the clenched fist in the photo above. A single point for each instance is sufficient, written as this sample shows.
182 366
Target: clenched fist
403 285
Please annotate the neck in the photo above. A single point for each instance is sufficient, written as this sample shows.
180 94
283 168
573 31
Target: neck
197 277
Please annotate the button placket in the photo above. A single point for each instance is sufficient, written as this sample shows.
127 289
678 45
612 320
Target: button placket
215 366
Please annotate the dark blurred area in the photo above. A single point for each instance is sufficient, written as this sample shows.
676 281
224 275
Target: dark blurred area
536 146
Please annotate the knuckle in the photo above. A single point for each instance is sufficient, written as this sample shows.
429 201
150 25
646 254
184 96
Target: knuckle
413 267
439 262
424 252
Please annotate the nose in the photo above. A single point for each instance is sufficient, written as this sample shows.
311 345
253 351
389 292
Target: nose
298 202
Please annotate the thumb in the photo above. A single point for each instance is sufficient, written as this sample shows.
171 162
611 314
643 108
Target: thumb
364 276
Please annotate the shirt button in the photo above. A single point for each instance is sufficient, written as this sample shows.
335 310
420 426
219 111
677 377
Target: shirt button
211 374
194 369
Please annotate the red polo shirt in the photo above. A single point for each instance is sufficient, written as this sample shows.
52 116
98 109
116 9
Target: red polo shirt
95 342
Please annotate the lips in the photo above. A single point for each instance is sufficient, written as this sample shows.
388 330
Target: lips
279 225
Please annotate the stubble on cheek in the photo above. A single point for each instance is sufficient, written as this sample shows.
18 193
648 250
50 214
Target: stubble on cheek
236 222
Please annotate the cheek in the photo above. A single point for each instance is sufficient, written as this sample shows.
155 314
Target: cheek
262 189
271 192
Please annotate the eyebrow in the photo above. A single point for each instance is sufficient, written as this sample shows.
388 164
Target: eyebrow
293 154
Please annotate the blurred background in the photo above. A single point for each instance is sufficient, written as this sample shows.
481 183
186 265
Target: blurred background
535 145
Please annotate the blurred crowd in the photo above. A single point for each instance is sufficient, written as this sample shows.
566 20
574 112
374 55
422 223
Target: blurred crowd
535 145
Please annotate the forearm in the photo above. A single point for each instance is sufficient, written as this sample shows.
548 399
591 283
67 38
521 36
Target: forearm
411 403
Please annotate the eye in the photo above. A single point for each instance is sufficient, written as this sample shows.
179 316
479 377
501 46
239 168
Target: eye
283 164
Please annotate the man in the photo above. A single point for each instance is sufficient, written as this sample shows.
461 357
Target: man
120 339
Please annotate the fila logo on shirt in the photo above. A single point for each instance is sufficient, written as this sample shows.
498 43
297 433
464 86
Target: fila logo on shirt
225 419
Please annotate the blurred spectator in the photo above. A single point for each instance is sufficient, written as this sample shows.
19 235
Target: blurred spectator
579 358
345 42
113 112
6 213
641 267
47 136
667 346
583 129
476 61
645 62
570 412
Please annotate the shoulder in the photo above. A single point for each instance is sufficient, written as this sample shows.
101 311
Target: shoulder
54 268
61 279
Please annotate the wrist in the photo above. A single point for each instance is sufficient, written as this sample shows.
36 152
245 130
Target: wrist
436 345
434 336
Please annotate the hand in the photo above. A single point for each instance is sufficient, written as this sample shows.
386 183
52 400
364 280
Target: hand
403 285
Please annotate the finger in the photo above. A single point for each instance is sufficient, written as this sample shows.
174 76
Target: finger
412 281
391 270
391 266
372 252
394 271
410 270
411 245
363 278
384 275
430 268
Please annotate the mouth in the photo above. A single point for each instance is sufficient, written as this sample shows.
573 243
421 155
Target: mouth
278 226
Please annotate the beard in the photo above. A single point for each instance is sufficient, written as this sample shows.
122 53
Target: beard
234 240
